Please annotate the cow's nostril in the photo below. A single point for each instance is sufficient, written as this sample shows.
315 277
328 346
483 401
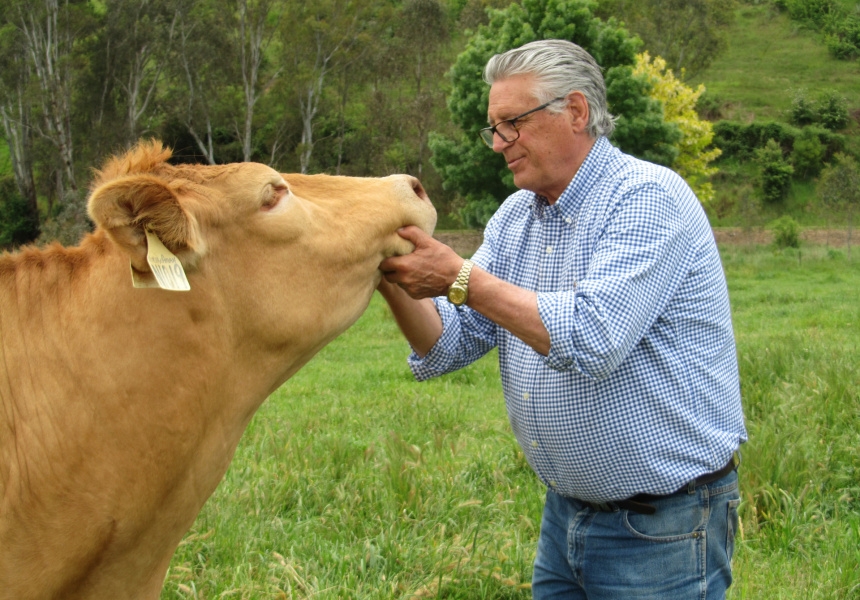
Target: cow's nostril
419 189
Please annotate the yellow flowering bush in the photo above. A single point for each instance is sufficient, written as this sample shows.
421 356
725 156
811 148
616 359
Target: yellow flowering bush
679 105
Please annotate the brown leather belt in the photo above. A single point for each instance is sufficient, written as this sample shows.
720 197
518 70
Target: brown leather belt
641 503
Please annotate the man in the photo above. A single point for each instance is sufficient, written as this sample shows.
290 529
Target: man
601 285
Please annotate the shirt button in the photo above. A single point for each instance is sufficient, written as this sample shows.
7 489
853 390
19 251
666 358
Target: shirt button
553 484
568 220
549 249
526 396
534 444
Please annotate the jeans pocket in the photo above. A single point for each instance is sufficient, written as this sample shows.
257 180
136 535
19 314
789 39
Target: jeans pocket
732 521
677 518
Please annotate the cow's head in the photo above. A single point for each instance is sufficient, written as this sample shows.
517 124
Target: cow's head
292 258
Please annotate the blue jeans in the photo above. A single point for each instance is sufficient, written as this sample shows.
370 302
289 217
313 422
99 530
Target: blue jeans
682 552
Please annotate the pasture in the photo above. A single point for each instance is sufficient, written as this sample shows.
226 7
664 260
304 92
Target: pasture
353 481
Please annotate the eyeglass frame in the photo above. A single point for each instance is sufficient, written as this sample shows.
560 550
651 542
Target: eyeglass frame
513 122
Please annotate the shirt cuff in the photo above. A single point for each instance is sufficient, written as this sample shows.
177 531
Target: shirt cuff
440 358
551 308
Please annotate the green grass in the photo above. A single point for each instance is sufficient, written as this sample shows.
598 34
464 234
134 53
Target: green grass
768 57
797 320
354 481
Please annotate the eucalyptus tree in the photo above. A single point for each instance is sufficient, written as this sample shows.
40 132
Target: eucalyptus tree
424 31
48 31
203 68
15 109
137 37
316 35
257 28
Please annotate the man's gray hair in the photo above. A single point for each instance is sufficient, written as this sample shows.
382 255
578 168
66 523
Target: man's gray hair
560 67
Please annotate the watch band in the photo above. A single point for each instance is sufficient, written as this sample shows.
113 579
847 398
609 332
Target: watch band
465 271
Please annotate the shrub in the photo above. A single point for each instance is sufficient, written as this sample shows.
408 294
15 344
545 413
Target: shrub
740 141
808 154
695 153
786 232
802 111
833 110
775 172
19 223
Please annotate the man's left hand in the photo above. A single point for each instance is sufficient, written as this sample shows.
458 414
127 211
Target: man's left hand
428 271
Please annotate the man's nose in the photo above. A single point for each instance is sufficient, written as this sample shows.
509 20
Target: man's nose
499 144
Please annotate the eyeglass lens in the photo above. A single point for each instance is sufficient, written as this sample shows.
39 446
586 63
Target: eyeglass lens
506 131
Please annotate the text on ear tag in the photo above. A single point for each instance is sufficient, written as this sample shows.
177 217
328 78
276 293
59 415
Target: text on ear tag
165 266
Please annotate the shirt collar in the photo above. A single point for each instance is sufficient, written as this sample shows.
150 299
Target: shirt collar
570 201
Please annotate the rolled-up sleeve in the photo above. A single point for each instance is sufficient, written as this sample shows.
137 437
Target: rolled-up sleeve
638 263
466 334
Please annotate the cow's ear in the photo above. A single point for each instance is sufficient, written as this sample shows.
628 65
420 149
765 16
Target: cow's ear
129 206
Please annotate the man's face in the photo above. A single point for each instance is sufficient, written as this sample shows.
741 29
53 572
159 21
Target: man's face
548 151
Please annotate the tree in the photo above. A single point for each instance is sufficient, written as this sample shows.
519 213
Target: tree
688 34
679 106
319 33
839 188
424 32
774 172
257 28
138 35
473 170
196 78
49 29
16 114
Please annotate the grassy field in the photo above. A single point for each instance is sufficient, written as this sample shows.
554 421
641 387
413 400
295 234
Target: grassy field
769 56
353 481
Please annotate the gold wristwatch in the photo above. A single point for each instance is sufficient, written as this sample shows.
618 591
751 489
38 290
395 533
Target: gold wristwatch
458 293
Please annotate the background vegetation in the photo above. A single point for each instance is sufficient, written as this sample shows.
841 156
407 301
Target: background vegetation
369 88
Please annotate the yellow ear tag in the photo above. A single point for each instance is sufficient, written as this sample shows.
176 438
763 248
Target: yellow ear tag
165 266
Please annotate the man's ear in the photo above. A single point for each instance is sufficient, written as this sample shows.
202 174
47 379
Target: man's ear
578 107
129 206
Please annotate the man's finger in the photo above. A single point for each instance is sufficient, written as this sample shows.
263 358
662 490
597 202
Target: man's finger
414 234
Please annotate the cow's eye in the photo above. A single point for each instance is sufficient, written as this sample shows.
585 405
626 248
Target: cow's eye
274 195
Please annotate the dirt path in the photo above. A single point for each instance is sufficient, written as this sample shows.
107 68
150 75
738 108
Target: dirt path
466 242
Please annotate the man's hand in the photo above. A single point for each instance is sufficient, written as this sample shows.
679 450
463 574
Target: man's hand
428 271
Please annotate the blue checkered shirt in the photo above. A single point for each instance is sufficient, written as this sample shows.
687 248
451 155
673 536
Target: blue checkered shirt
639 392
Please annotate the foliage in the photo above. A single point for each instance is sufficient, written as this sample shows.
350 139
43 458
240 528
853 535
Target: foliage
774 172
19 223
840 27
472 170
833 111
830 109
802 109
679 107
741 141
807 156
786 232
688 34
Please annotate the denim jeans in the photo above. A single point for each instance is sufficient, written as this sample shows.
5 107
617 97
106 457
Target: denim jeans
682 552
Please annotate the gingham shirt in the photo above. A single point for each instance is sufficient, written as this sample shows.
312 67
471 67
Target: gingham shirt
639 392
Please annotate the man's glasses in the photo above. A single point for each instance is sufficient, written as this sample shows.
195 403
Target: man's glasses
507 129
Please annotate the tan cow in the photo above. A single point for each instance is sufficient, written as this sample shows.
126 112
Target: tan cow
121 407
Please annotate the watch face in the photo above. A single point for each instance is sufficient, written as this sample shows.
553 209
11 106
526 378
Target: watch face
456 295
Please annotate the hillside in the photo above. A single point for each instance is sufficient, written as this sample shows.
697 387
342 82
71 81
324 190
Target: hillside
768 57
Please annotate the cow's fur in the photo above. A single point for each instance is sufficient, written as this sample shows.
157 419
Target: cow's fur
120 407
